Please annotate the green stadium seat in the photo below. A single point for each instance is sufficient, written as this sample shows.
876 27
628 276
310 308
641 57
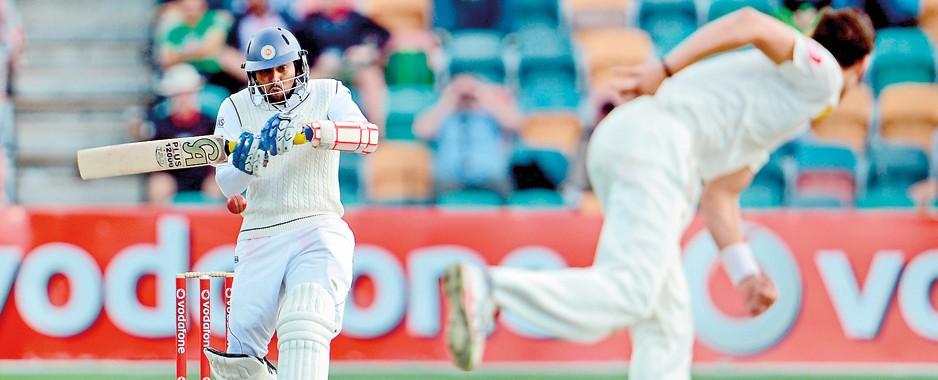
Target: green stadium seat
470 198
546 55
885 198
405 102
720 8
196 198
901 55
668 22
815 201
546 96
408 68
761 196
896 167
529 13
768 187
477 51
536 198
826 171
349 179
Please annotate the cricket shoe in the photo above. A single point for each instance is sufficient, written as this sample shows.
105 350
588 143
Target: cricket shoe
471 313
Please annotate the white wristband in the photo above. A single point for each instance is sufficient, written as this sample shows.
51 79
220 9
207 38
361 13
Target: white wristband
738 262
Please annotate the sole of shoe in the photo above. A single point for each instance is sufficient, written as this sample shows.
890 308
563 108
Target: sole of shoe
458 331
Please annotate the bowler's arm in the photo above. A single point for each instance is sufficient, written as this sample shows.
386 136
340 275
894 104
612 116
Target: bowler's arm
743 27
719 207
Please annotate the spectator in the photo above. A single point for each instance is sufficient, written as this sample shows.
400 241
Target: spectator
257 15
473 126
885 13
471 14
196 36
345 45
180 115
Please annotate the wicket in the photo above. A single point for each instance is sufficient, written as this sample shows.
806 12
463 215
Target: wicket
204 324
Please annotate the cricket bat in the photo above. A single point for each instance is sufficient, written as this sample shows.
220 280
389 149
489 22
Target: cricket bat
158 155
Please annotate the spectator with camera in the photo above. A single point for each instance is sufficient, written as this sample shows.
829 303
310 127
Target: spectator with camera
473 126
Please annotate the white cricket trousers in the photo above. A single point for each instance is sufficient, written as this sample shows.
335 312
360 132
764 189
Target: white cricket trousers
265 268
638 163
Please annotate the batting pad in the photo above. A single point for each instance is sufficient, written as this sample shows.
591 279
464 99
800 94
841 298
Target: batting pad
239 366
304 330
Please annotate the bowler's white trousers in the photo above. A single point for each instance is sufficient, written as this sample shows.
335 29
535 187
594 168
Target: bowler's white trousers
265 268
638 161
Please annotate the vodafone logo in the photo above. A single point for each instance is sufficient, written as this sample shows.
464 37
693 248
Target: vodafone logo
268 52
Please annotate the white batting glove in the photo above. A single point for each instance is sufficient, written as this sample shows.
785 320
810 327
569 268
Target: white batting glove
278 133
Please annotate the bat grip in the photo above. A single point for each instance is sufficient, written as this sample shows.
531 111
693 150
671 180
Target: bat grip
300 139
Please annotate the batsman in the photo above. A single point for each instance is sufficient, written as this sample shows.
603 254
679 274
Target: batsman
293 258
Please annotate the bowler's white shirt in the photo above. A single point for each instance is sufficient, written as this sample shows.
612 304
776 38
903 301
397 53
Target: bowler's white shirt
740 106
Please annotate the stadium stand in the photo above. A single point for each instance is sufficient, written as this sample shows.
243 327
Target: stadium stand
720 8
588 14
400 172
86 66
908 114
667 22
470 198
634 46
535 199
399 15
901 55
555 130
477 51
827 175
404 103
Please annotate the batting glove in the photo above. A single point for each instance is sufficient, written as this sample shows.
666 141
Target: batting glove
248 156
278 134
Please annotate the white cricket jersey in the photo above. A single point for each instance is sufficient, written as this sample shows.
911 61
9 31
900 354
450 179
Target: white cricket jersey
296 188
740 106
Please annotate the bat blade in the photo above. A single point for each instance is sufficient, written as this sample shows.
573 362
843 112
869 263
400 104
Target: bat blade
151 156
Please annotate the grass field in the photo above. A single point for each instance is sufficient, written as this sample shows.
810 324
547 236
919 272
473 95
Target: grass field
60 374
526 376
442 370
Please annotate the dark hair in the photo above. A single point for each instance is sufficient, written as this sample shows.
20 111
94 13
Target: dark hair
847 33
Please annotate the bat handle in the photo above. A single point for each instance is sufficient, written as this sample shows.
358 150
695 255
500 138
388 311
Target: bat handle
300 139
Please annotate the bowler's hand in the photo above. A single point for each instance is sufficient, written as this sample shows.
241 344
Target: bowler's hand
634 81
758 293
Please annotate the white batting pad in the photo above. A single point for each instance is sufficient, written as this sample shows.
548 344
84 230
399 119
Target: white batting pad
239 366
305 328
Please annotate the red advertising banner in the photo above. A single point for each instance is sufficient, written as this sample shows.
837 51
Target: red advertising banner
99 283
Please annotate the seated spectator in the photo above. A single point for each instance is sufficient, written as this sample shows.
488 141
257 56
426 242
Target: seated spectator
258 15
180 115
885 13
471 14
345 45
197 37
472 125
926 192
